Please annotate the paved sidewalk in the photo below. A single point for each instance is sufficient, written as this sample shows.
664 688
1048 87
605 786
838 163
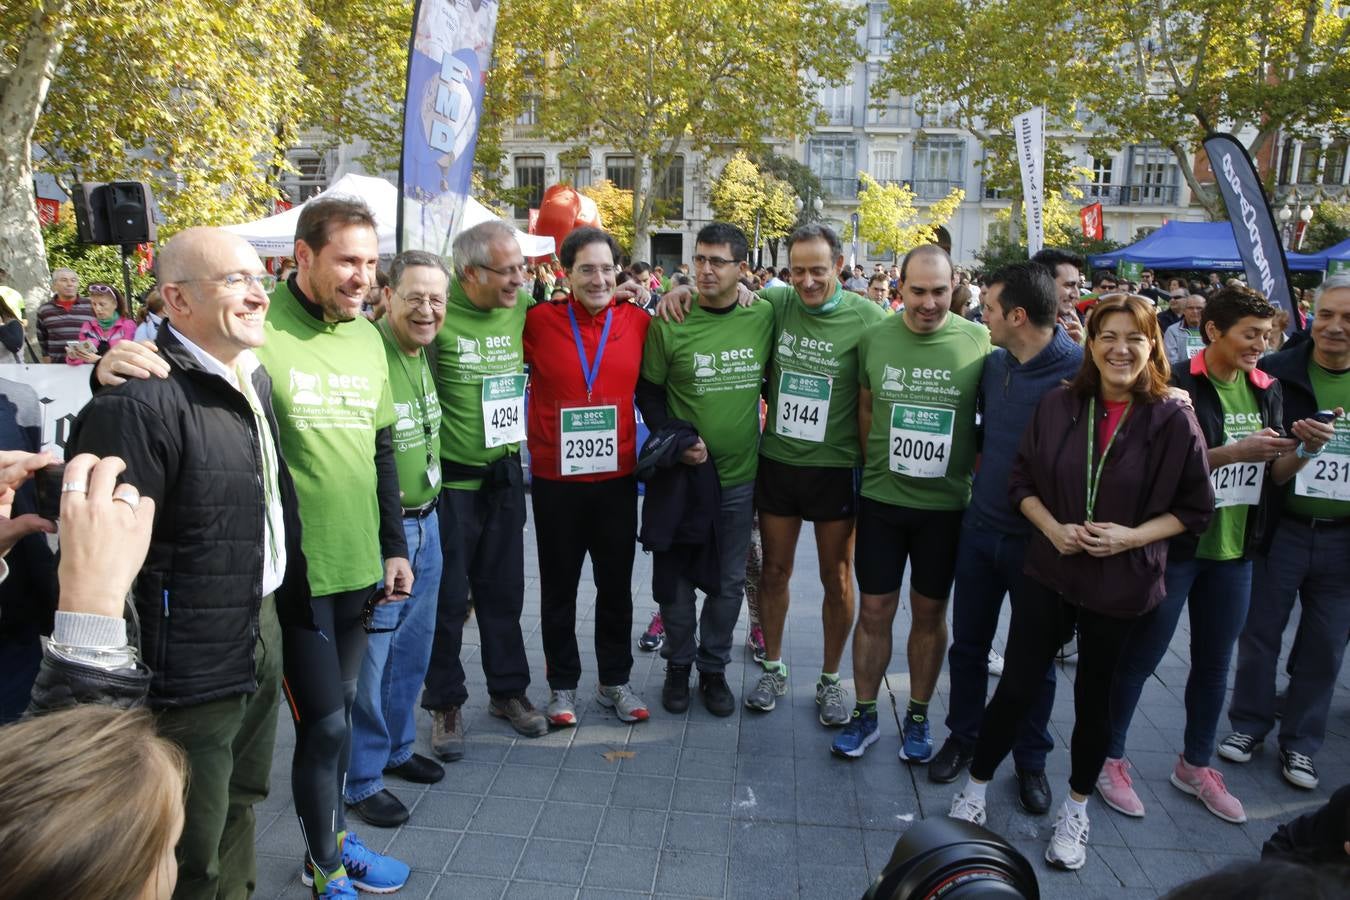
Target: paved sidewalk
755 806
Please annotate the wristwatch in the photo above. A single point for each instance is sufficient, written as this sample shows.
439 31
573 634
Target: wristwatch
1304 454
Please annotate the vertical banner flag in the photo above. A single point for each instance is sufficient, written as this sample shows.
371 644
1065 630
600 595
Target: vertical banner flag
1258 238
1091 217
449 52
1029 141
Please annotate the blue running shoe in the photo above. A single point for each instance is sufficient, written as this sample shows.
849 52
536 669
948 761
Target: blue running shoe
917 743
860 733
368 871
335 889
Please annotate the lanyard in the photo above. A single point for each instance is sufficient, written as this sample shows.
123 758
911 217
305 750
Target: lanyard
589 371
1094 470
421 387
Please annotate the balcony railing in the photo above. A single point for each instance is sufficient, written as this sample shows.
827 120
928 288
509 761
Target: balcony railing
1130 194
933 188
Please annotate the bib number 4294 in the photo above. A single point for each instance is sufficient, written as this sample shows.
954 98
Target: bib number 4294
503 410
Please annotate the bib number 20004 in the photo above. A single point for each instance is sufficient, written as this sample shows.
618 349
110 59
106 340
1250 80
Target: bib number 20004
920 440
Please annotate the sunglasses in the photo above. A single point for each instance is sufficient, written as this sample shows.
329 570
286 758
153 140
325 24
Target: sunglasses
368 611
102 289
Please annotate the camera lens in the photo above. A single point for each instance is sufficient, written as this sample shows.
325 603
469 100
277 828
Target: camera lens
954 860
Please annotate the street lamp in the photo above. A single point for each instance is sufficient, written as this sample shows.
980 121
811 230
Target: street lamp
1284 215
817 204
1305 216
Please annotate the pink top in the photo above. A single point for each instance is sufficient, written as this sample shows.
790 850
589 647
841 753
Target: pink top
123 329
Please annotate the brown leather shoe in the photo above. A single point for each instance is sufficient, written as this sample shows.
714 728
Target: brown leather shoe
522 715
447 733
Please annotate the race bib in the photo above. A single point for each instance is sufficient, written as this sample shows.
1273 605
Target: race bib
503 410
1194 343
803 406
589 440
1328 476
1237 484
921 440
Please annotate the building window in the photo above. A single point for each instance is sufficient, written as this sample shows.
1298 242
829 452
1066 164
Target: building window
530 114
310 178
1154 176
938 166
1334 170
835 162
1101 176
621 171
883 165
575 169
1286 161
669 191
1307 162
530 181
891 110
879 40
837 102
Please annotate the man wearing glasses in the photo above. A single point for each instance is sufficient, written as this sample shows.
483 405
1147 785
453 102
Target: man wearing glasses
225 557
400 632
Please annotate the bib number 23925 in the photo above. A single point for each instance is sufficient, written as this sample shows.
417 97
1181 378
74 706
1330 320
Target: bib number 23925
1328 476
590 439
803 406
503 410
920 440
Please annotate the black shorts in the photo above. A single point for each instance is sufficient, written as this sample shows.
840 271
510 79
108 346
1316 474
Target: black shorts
889 535
813 493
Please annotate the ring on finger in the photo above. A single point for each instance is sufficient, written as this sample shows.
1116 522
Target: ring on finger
75 487
131 500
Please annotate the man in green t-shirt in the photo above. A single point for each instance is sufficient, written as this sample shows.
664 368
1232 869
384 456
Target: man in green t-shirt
399 646
1305 558
708 371
480 379
810 454
918 374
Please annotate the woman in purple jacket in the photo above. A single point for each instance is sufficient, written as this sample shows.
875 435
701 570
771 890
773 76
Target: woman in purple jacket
1110 467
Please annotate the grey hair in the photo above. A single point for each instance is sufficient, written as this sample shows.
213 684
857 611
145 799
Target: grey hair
1338 282
56 272
412 258
817 231
473 246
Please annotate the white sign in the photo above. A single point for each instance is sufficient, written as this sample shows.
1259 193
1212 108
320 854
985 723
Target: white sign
62 391
1029 140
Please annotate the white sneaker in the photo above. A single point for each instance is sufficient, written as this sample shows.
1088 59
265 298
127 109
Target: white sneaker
1068 845
562 708
967 809
995 663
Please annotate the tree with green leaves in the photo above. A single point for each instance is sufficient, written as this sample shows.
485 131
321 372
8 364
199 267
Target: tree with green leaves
753 201
889 219
973 61
616 211
1170 71
660 79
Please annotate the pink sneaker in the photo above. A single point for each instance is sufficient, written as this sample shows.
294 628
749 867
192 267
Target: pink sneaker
1207 784
754 639
1114 786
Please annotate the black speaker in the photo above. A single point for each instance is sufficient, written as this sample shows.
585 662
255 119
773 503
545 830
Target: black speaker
118 213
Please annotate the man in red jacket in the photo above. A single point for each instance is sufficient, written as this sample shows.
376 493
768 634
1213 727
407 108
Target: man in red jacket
584 354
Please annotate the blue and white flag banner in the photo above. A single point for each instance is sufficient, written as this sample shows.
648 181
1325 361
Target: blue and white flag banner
449 53
1029 143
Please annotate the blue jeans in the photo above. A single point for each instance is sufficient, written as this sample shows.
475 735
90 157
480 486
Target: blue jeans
988 566
1219 593
1306 564
383 719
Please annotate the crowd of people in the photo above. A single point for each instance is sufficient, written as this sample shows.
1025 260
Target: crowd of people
327 470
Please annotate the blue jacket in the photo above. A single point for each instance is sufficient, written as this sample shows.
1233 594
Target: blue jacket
1009 393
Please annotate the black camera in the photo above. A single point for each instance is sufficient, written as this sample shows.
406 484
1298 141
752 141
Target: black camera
954 860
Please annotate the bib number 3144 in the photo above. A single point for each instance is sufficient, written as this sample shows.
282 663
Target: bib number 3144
503 410
920 440
803 406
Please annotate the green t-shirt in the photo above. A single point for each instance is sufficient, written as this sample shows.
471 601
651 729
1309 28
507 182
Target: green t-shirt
1227 530
417 422
480 377
813 378
330 392
712 366
921 448
1322 487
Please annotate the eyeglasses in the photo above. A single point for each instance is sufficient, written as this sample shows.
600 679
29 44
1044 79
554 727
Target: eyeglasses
102 289
238 282
716 262
589 271
520 269
433 303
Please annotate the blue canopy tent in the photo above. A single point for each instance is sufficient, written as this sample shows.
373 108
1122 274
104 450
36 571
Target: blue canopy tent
1339 253
1194 245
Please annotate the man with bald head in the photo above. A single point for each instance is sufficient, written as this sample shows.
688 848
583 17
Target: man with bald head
225 563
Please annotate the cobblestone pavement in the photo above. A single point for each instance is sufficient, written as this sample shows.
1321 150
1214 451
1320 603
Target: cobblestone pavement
755 806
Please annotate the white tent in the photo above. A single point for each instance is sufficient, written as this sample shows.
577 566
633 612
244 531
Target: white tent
275 235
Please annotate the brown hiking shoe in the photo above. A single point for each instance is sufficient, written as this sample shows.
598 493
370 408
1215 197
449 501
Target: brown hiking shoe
522 715
447 733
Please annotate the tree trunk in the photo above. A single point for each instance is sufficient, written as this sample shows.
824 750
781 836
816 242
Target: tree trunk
642 209
1015 222
22 94
1209 200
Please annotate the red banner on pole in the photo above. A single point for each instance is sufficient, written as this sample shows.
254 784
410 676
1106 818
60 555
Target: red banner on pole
48 211
280 206
1091 217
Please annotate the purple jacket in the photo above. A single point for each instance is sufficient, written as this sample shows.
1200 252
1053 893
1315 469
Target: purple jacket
1158 465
